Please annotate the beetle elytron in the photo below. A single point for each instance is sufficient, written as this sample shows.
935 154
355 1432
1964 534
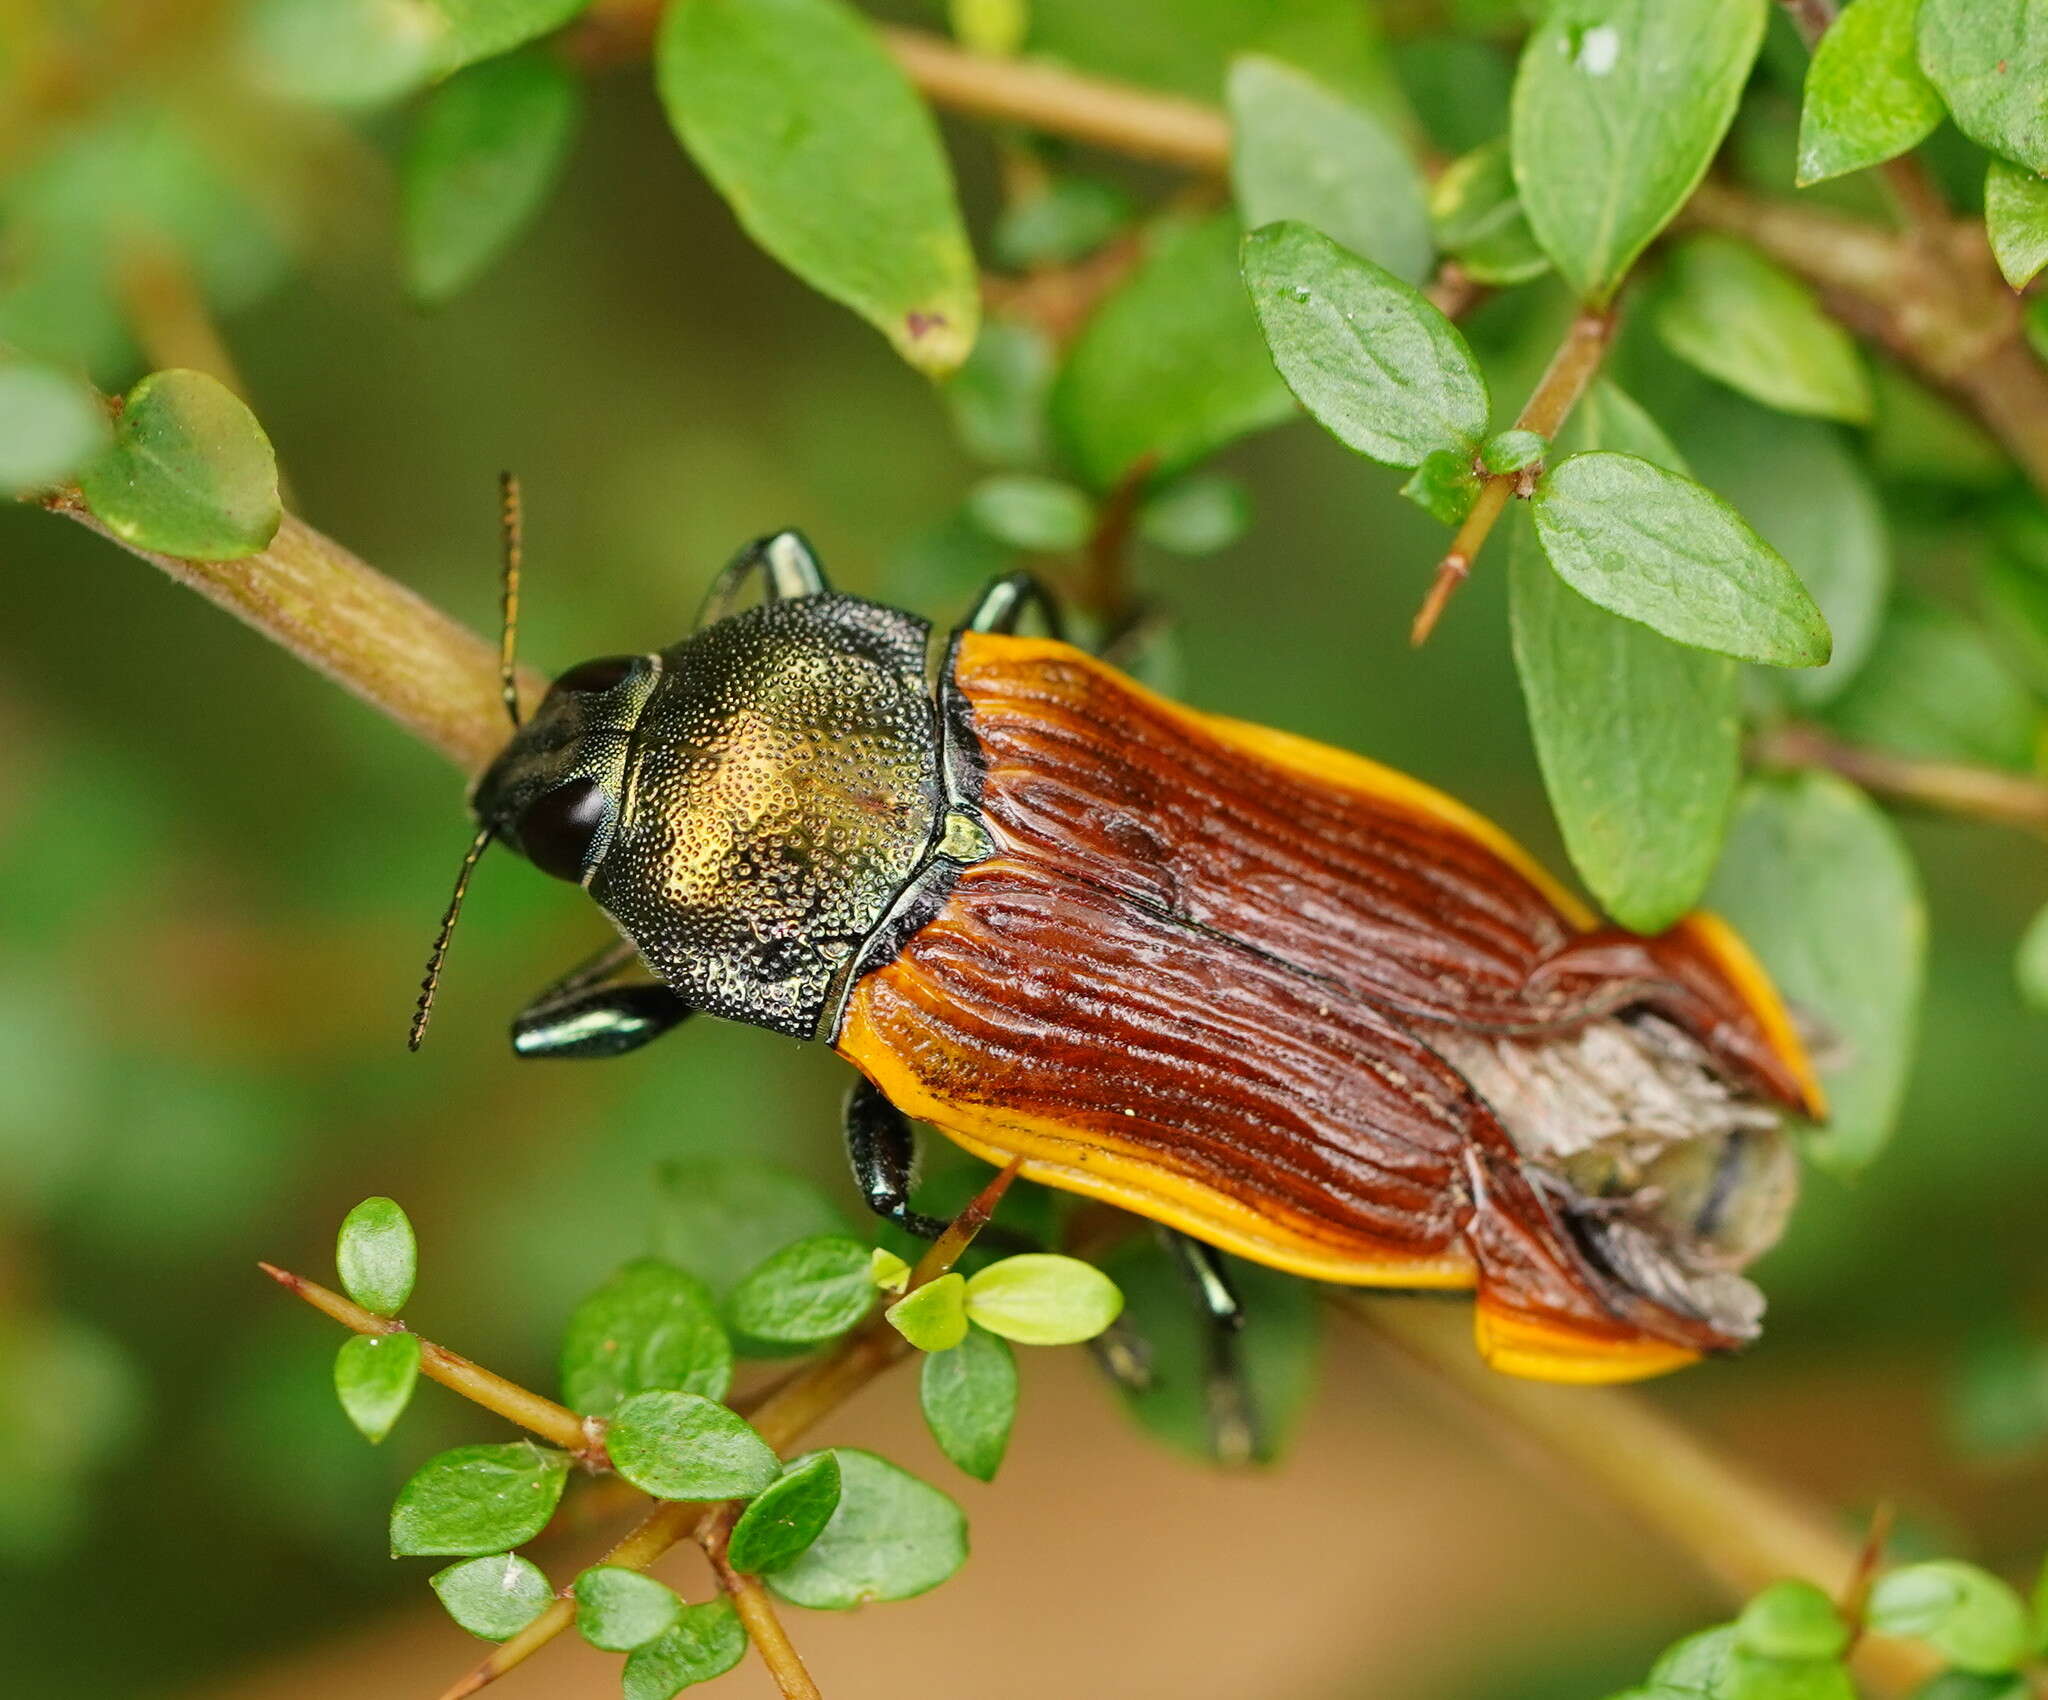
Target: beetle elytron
1276 997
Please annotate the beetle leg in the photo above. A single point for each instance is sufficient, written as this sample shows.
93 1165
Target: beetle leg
1003 605
1233 1416
883 1152
584 1015
787 567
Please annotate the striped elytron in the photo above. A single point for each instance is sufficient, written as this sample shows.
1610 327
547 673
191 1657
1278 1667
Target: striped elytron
1276 997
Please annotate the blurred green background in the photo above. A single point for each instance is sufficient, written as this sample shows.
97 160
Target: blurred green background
218 875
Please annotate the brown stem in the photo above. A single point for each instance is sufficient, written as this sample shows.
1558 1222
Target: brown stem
584 1436
1744 1531
1550 404
756 1610
781 1418
1980 793
368 633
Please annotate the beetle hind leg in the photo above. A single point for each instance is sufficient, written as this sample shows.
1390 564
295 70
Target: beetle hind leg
883 1151
1234 1429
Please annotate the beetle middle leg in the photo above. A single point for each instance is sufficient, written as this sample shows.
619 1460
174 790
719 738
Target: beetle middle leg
1226 1390
1002 607
587 1013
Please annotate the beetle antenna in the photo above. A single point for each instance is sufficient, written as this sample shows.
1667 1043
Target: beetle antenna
425 1007
512 524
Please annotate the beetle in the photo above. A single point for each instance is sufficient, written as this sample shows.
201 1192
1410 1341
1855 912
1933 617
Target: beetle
1284 1001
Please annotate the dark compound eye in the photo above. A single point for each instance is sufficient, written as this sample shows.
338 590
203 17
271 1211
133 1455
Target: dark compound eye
558 830
590 677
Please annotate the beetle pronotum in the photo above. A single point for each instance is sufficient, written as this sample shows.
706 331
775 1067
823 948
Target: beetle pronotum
1274 996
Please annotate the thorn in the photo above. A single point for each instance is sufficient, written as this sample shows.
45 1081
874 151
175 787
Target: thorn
283 1277
1451 572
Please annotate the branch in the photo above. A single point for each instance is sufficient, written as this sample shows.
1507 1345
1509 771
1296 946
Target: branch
1550 404
1956 788
583 1436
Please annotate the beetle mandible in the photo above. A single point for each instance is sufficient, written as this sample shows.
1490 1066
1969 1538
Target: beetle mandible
1278 998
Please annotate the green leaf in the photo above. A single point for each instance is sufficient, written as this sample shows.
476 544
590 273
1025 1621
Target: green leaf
787 1517
374 1375
190 472
1810 498
2016 216
1695 1665
718 1217
1170 367
1028 511
998 399
1513 451
969 1395
377 1256
1867 99
1989 58
1967 1615
1444 486
1817 881
890 1537
482 29
1196 515
1751 1676
1066 221
1619 107
1933 687
650 1326
1043 1299
888 1271
485 151
1967 1685
2030 964
619 1609
1652 546
493 1597
830 161
933 1317
1279 1347
1727 310
478 1499
1381 369
706 1642
1479 219
51 424
808 1292
351 54
1639 740
1792 1620
1300 152
684 1446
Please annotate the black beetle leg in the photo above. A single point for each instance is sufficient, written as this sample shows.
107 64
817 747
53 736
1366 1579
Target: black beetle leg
883 1151
787 567
1233 1417
1002 607
584 1014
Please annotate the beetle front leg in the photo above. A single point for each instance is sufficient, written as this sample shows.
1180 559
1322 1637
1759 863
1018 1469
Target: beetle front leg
883 1151
1233 1412
584 1014
1004 604
787 567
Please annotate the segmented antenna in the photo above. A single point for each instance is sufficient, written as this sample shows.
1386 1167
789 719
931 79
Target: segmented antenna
510 518
425 1007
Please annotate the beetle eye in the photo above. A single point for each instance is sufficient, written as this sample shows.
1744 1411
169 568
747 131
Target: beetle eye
558 829
590 677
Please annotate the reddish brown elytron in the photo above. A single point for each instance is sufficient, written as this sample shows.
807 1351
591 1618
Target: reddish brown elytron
1216 975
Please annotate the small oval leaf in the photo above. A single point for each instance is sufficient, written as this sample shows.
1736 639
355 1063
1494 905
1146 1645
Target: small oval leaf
377 1256
650 1326
969 1397
619 1609
787 1517
891 1537
684 1446
1381 369
51 424
1043 1299
1969 1616
495 1597
189 474
1867 100
1989 59
933 1317
1649 545
805 1293
374 1375
706 1641
478 1499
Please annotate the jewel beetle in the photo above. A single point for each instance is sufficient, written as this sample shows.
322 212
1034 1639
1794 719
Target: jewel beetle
1280 999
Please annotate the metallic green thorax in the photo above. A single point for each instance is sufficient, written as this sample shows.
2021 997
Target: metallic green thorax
768 786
